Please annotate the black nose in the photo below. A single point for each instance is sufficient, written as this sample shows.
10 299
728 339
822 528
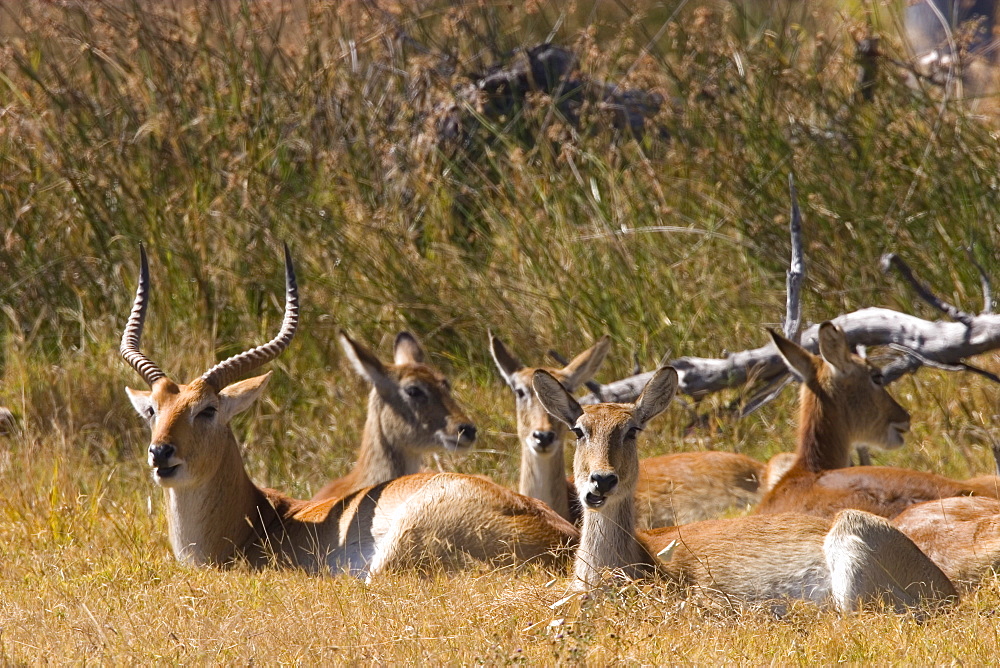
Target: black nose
543 438
605 482
467 431
161 453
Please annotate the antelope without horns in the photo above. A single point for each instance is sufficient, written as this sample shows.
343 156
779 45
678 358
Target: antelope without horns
411 412
842 401
852 560
961 534
672 489
216 515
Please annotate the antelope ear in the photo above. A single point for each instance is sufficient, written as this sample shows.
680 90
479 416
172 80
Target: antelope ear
366 364
407 350
585 365
799 361
236 398
142 402
506 363
833 346
559 403
656 396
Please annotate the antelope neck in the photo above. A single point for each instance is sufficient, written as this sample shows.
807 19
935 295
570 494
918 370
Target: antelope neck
823 439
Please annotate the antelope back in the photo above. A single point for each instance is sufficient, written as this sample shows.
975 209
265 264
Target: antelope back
538 432
842 397
410 401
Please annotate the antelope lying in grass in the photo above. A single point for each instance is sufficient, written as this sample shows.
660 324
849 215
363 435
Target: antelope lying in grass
960 534
843 401
410 412
854 559
216 515
672 489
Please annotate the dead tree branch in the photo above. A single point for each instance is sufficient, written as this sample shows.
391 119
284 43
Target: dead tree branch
960 366
984 281
891 260
942 341
796 269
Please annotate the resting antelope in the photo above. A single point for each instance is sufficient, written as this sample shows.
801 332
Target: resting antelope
216 515
673 489
960 534
843 401
853 559
410 412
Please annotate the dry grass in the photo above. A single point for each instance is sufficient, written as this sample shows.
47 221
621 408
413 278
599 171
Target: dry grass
211 132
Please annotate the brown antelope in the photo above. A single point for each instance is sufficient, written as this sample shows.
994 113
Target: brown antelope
410 412
853 559
216 515
961 534
543 466
842 401
673 489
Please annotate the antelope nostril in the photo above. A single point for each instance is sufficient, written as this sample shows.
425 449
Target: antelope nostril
161 453
544 438
605 482
467 431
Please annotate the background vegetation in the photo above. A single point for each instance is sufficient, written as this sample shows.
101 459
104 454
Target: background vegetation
212 132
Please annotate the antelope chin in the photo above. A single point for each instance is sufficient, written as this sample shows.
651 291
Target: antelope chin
454 443
168 476
594 501
539 449
895 436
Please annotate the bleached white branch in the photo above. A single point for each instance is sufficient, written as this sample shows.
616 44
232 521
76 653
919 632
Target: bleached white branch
941 341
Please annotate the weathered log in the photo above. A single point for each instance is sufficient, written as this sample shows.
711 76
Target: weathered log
937 340
501 92
7 421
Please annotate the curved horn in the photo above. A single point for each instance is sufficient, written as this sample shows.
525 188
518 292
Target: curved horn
133 328
229 370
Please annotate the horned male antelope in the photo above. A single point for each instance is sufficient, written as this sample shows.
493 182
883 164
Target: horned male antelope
842 401
673 489
853 559
410 412
216 515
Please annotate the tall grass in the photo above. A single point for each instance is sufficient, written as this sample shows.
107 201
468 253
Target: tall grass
212 132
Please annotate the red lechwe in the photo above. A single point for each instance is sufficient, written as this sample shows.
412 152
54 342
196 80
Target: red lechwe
842 401
852 560
216 515
673 489
410 412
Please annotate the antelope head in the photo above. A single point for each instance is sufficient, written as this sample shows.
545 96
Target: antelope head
411 400
606 462
537 430
844 391
191 439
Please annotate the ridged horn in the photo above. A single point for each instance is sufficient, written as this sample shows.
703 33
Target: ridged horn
133 328
229 370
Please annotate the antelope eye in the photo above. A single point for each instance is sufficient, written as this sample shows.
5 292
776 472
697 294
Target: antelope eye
149 413
520 393
577 431
208 412
632 432
414 391
877 378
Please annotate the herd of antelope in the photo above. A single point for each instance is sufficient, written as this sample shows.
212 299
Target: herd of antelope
818 530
